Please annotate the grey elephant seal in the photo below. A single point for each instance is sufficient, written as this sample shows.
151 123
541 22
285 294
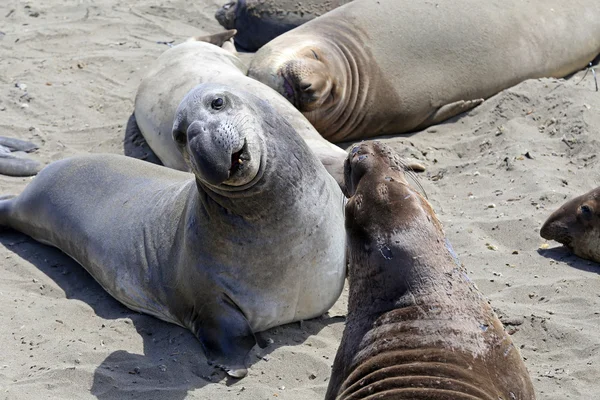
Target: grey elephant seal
576 224
260 21
13 159
253 239
417 326
375 67
184 66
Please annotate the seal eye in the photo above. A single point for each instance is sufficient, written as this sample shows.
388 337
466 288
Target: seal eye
217 103
315 54
586 211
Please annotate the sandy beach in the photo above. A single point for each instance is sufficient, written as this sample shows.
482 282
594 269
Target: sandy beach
69 71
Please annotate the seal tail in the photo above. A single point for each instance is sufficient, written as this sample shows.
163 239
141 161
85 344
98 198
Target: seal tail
6 203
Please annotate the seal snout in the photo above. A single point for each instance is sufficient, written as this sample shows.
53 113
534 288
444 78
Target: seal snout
556 229
307 83
226 15
216 155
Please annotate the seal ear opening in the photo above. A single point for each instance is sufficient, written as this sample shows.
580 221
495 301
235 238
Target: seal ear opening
226 336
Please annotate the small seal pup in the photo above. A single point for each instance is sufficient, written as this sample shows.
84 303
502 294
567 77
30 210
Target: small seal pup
576 224
376 67
260 21
417 326
12 157
181 68
254 238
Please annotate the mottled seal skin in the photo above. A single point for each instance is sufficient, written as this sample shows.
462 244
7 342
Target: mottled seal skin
260 21
184 66
576 224
13 160
252 239
375 67
417 326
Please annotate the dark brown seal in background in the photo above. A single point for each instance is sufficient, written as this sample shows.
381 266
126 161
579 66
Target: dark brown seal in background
260 21
576 224
417 326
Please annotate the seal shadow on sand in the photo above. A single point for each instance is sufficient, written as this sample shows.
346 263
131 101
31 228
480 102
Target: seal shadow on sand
563 254
172 362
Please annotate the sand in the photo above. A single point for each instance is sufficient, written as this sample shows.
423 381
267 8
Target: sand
493 177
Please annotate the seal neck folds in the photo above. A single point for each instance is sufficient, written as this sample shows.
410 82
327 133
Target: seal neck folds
417 326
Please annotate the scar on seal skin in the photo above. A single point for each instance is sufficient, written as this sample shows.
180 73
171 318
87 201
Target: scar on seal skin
576 224
417 326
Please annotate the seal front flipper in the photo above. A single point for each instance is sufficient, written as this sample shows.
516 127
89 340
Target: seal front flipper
225 335
449 110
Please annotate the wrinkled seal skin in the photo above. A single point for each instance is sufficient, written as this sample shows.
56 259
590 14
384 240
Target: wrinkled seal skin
576 224
184 66
375 67
260 21
417 326
234 249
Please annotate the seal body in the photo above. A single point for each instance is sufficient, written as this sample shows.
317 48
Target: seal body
374 67
260 21
227 251
184 66
576 224
417 327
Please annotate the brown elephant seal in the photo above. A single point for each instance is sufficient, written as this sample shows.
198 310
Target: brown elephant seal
576 224
260 21
375 67
181 68
253 239
417 326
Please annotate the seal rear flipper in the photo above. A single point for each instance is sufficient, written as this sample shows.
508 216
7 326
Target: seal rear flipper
17 144
226 336
17 166
135 144
222 39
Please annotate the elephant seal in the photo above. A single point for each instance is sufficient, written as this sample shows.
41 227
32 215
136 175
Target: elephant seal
260 21
375 67
417 326
254 238
12 157
186 65
576 224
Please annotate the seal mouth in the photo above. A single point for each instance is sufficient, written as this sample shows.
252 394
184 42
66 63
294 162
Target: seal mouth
289 92
238 158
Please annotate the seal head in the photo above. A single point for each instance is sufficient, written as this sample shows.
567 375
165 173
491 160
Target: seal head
301 73
216 132
576 224
226 15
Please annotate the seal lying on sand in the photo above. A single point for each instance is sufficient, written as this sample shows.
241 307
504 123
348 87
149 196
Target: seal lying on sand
253 239
417 327
576 224
12 160
184 66
260 21
375 67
